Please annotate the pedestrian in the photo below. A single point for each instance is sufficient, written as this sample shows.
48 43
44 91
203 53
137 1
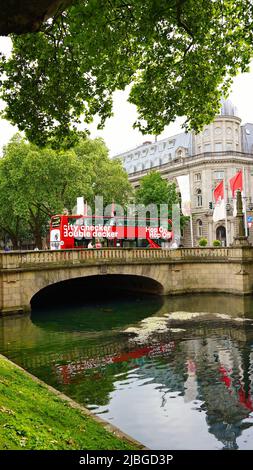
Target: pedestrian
98 244
90 245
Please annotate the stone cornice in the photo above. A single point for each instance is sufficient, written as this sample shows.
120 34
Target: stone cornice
188 163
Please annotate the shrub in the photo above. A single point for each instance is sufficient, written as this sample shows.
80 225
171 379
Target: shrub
203 242
216 243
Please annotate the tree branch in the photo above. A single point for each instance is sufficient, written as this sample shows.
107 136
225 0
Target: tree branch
180 21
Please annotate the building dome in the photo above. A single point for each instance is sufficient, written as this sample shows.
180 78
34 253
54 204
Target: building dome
228 108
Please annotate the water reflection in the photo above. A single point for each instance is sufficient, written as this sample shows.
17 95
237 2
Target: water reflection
187 387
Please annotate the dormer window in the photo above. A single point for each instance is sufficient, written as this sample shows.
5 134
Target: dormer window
180 152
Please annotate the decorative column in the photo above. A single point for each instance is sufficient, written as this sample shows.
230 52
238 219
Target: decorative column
240 239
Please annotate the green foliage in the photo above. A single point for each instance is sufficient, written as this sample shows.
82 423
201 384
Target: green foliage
33 418
37 183
216 243
105 177
203 241
154 189
34 184
180 58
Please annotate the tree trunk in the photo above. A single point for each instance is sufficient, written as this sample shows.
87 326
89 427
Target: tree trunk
14 241
38 238
27 16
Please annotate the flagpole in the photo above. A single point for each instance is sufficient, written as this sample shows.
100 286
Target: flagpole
191 222
245 200
191 227
186 206
225 202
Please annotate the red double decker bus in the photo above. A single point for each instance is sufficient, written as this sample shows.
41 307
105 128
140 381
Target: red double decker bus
77 231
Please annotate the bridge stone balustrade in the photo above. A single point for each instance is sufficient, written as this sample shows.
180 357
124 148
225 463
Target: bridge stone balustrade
186 270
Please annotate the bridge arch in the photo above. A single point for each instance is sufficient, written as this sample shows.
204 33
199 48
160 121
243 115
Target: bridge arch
96 286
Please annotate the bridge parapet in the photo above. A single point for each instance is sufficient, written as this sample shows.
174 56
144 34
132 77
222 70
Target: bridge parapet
15 259
21 259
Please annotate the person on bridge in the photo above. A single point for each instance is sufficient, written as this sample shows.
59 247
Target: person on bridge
98 244
90 245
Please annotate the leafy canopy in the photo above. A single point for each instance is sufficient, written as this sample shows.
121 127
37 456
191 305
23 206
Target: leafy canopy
106 177
179 55
154 189
36 183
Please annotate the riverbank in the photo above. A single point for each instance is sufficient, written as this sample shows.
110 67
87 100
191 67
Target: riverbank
33 416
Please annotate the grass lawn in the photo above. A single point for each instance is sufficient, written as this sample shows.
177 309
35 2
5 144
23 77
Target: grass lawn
33 417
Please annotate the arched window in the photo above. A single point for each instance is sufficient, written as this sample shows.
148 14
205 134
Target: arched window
199 198
221 234
199 228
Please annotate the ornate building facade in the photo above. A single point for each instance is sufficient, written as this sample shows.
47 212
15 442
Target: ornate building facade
218 152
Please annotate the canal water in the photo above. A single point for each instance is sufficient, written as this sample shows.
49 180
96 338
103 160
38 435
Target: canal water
174 373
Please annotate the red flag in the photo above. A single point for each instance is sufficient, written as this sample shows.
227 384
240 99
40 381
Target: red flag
236 183
219 191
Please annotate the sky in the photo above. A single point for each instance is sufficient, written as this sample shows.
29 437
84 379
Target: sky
118 132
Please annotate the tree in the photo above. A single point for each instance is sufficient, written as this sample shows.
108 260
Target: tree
37 183
12 224
13 227
107 177
154 189
28 15
180 57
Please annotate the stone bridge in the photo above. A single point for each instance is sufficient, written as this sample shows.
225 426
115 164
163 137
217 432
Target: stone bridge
188 270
